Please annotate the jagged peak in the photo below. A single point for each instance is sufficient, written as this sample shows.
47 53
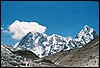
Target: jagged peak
30 33
86 29
55 35
86 26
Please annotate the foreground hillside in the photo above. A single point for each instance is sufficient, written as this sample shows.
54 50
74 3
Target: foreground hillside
87 56
11 57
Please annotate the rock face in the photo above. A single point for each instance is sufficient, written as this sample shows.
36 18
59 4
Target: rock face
43 45
8 59
87 56
18 58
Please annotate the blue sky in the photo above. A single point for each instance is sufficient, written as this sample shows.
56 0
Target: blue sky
64 18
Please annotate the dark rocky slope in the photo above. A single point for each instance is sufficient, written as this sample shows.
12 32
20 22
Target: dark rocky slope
87 56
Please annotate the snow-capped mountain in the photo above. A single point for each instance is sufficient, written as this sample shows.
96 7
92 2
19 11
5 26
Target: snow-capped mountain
43 45
84 36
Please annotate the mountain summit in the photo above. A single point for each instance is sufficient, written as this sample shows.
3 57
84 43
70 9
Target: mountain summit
43 45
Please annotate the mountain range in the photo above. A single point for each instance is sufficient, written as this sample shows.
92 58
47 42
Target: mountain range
43 45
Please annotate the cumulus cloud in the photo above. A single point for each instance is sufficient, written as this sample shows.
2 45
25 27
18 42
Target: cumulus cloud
2 28
21 28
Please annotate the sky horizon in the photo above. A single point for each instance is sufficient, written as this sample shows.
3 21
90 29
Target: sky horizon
65 18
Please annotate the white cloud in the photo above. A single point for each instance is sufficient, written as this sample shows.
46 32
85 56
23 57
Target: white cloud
5 31
2 28
20 29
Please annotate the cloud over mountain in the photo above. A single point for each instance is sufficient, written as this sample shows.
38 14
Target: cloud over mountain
21 28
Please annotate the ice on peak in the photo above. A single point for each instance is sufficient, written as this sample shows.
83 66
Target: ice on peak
86 30
30 34
54 35
86 26
44 35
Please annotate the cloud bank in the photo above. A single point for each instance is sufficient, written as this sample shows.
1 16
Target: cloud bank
21 28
